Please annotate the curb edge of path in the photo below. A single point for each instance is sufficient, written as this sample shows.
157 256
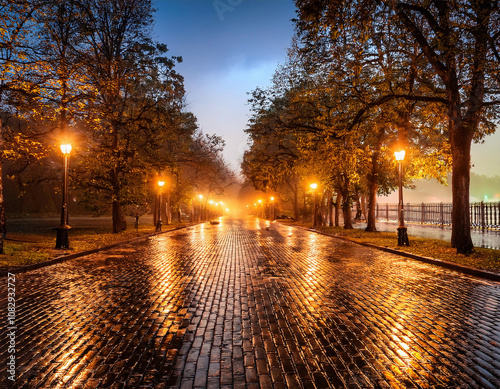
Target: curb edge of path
434 261
63 258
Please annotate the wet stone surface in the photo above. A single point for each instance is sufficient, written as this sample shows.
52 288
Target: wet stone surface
240 305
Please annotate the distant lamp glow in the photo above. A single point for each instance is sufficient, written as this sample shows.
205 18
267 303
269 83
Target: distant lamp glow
400 155
314 186
161 183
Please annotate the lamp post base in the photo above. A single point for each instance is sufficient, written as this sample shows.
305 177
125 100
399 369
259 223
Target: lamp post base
403 237
62 238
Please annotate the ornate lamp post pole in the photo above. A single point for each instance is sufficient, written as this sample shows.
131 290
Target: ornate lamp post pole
62 239
402 231
315 220
158 221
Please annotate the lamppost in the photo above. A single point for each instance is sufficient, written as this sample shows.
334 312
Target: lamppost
402 232
313 187
62 239
158 220
260 207
272 207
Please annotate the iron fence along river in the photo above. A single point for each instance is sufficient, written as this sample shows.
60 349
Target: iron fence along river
482 215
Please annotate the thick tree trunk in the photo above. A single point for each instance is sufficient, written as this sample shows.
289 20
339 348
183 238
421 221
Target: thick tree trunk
460 235
118 219
329 209
337 208
346 211
372 203
346 204
372 194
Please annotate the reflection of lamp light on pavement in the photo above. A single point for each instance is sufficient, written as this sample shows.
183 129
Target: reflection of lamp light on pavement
402 231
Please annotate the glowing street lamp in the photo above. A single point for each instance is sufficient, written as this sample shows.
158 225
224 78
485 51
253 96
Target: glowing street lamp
313 187
272 207
402 231
158 220
62 239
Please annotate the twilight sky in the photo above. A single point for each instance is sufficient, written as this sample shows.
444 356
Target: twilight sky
230 47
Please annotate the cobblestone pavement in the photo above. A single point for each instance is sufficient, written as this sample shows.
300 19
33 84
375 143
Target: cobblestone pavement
247 305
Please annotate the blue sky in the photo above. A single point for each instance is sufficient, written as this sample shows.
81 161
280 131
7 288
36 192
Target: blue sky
229 48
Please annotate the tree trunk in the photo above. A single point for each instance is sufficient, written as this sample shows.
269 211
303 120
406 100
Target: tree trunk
372 203
460 218
346 206
329 209
118 220
337 208
117 212
372 193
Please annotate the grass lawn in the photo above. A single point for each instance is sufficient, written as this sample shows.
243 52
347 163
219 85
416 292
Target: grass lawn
484 259
34 247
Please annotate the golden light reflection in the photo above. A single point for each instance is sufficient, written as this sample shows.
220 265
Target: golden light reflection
312 258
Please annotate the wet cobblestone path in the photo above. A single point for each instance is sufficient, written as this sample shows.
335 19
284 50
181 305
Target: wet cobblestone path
243 305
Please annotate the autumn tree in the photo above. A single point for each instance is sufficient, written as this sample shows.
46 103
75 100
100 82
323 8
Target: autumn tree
18 17
458 68
132 78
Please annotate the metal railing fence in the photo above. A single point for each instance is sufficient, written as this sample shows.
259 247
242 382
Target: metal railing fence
482 215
